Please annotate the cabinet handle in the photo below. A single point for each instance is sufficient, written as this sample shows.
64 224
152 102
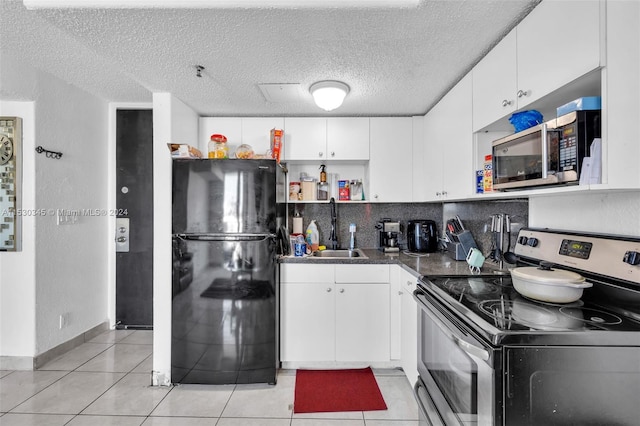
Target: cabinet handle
444 193
399 293
342 290
328 289
320 154
333 154
375 196
438 194
409 283
506 103
522 93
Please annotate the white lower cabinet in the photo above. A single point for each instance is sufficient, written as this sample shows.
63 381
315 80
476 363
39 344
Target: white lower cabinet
334 313
307 321
408 326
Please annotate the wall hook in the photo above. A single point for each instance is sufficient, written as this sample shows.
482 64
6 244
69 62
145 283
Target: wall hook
199 69
49 154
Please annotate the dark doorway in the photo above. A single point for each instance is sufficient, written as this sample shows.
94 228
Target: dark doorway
134 224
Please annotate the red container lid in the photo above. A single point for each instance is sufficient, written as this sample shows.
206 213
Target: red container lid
218 138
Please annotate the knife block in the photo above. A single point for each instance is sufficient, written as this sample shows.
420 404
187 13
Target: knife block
458 250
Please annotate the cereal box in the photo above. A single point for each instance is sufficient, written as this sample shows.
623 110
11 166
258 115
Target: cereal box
488 174
343 190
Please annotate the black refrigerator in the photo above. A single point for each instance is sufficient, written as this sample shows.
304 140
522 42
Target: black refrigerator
226 214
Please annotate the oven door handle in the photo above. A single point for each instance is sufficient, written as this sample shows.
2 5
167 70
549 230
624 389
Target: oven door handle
462 344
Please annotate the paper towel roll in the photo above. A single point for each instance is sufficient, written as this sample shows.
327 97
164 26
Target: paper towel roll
297 225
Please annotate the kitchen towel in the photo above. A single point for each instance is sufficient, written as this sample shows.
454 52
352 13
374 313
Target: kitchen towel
320 391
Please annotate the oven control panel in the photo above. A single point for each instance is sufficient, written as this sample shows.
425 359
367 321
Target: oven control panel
575 248
612 256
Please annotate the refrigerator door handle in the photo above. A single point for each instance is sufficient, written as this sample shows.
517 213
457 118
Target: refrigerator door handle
225 237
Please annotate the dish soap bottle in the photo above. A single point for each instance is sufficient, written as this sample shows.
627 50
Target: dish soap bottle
313 238
323 186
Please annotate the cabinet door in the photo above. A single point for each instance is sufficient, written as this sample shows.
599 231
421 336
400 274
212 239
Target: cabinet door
558 42
435 137
231 127
458 174
348 138
362 322
305 138
307 323
408 327
449 145
418 167
621 151
494 83
257 132
390 159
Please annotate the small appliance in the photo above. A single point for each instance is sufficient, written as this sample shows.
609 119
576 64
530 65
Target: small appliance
422 236
546 154
388 232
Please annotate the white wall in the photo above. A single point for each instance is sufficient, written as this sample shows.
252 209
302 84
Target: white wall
68 261
606 212
173 122
17 269
71 267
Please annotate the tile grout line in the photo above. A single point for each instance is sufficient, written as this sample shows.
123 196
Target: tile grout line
112 385
41 390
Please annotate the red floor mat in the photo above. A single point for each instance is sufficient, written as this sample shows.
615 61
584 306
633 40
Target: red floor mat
337 390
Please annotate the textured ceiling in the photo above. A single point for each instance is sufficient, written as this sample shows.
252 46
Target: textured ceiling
396 61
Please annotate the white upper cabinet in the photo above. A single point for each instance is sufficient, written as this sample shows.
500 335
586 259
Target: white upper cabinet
305 138
231 127
621 87
390 162
249 130
347 138
326 138
257 132
448 149
558 42
494 83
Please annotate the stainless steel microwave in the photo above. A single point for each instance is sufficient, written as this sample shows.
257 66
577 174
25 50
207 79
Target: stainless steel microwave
547 154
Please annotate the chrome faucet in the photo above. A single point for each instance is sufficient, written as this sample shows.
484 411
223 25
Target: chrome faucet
334 218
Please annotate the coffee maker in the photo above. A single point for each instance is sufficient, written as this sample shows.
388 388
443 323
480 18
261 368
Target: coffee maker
388 231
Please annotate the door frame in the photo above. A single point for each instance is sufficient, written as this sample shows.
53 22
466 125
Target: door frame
111 202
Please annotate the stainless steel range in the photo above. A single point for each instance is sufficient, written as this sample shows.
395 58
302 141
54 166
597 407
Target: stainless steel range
489 356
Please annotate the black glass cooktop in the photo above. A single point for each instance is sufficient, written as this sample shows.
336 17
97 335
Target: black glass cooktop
493 304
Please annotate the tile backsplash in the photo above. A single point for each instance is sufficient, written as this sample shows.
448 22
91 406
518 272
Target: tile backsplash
474 214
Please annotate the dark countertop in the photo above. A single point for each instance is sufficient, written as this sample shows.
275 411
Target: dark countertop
438 263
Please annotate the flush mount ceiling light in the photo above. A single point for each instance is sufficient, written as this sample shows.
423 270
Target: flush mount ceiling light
329 94
213 4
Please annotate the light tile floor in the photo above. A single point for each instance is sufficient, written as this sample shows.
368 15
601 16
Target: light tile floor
107 382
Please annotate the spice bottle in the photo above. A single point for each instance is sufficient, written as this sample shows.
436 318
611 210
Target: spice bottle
218 146
323 186
323 173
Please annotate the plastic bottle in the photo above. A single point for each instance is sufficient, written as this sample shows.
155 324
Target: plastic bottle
313 238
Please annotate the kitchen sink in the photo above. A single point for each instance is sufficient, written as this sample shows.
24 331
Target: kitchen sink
340 254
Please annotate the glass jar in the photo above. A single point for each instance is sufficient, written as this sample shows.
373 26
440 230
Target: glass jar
218 146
